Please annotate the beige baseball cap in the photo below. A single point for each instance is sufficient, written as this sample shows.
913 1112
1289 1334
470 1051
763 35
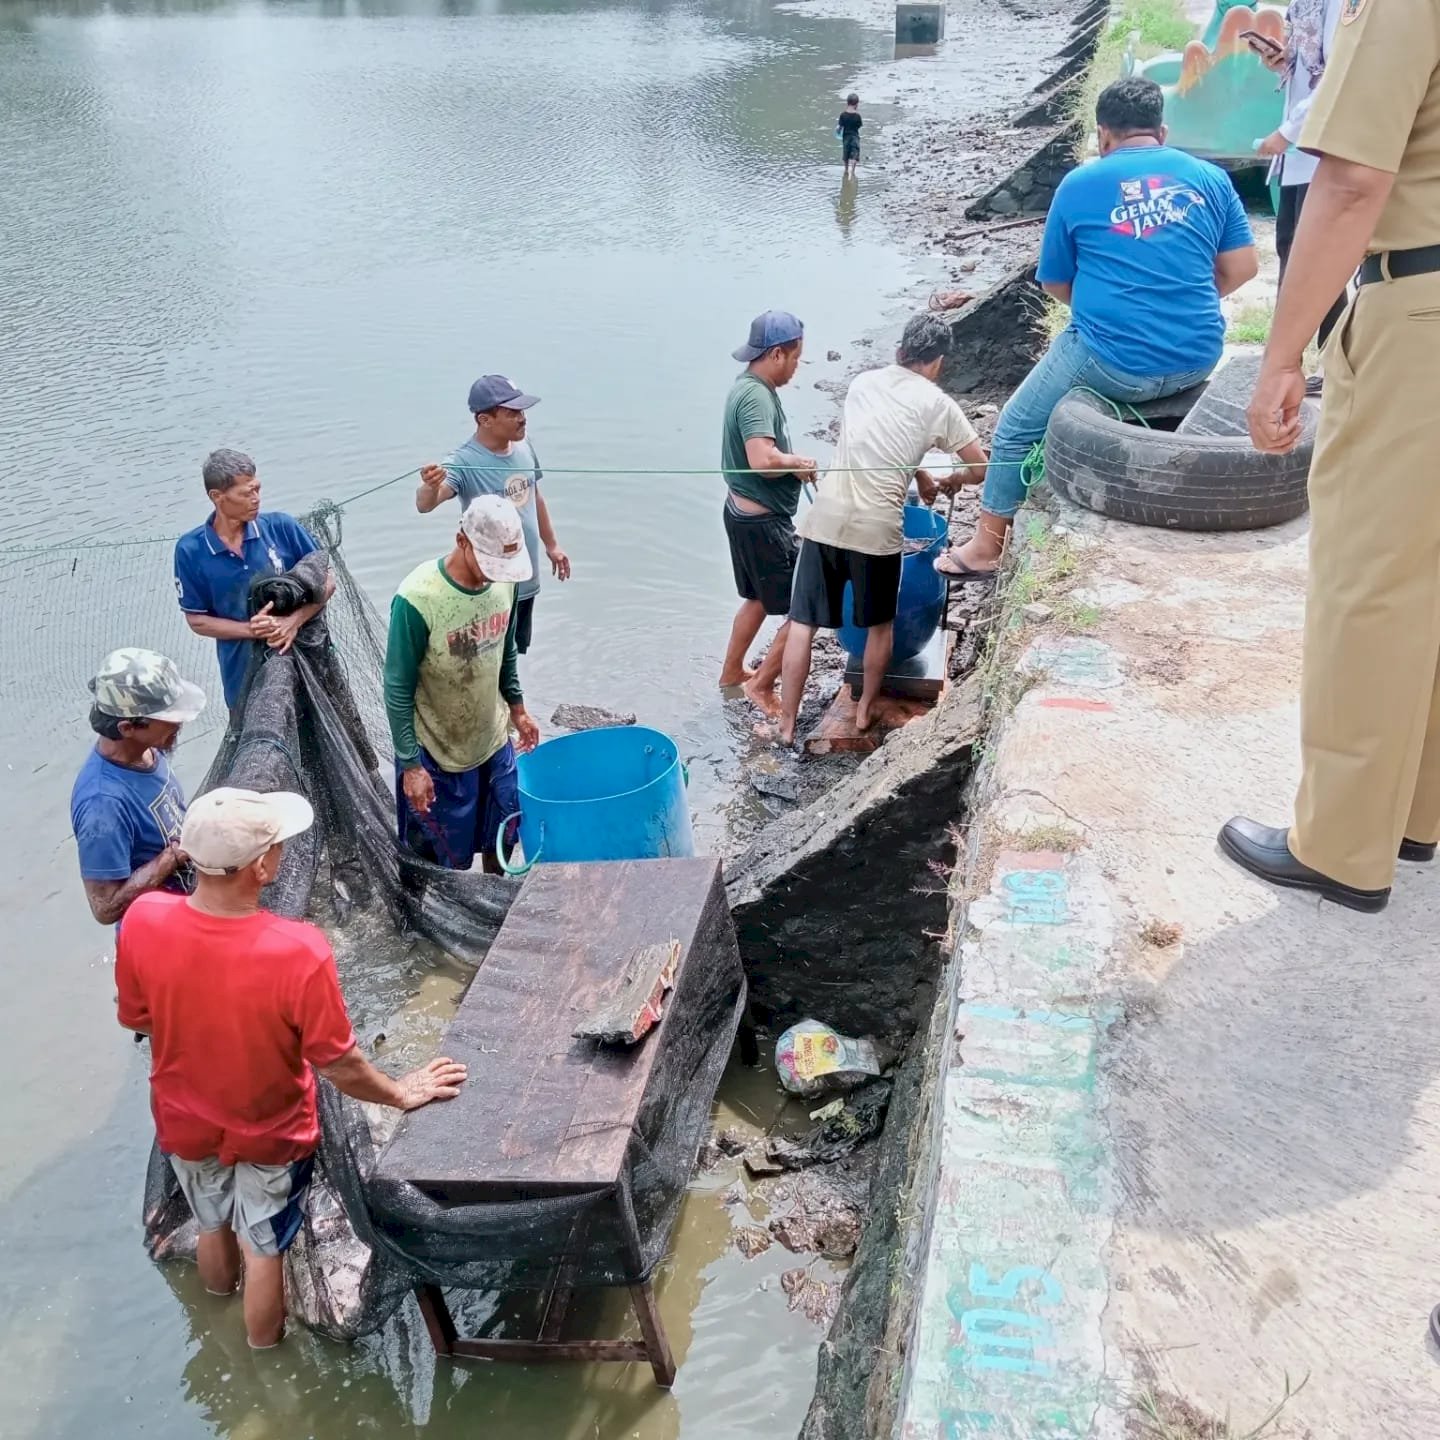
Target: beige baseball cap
491 524
227 829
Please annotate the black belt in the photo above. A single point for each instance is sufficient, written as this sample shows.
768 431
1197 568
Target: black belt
1401 264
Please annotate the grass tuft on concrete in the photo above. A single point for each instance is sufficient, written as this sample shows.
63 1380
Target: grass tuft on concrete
1158 1416
1050 835
1162 934
1250 324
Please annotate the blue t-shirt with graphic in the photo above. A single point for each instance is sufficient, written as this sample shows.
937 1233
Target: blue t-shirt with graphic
473 470
1137 234
124 818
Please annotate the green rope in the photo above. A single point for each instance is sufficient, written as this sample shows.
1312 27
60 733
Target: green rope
1032 467
1032 472
67 547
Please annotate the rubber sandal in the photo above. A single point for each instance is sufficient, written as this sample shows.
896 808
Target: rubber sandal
962 572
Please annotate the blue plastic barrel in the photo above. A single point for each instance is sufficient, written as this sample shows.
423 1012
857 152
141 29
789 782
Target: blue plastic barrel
610 794
922 590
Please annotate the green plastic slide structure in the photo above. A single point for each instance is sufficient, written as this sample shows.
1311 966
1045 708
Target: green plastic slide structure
1219 98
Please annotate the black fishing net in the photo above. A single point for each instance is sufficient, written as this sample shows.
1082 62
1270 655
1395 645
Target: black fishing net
312 721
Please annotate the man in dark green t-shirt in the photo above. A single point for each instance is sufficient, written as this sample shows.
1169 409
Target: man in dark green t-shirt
762 482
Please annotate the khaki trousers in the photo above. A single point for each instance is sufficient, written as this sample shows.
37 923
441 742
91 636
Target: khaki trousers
1369 703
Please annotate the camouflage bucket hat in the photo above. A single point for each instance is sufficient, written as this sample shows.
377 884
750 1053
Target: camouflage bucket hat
145 685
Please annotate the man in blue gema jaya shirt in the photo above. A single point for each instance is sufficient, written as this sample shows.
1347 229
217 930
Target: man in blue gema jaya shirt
127 806
217 562
1141 245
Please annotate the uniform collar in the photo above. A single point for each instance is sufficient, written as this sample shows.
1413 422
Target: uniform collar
213 542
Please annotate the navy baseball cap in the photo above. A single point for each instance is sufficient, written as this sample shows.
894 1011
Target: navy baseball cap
490 392
774 327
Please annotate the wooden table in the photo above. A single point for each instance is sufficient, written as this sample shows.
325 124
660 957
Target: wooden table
543 1114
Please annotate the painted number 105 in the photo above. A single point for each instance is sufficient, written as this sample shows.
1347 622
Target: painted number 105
1007 1339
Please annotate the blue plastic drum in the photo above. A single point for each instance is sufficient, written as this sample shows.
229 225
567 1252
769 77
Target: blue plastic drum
922 590
610 794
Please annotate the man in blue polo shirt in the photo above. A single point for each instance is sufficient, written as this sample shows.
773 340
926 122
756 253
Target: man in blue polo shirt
217 563
1142 244
127 806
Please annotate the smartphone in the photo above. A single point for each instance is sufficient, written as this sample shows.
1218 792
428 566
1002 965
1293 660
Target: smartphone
1262 43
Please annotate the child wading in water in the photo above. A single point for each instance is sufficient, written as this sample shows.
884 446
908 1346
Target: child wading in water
848 129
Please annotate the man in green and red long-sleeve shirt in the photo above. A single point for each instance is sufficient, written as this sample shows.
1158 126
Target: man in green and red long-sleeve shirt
452 690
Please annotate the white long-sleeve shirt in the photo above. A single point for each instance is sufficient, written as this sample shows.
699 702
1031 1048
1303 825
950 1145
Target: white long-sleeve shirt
1295 167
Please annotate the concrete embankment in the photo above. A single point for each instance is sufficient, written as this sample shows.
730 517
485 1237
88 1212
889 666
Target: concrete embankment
1187 1145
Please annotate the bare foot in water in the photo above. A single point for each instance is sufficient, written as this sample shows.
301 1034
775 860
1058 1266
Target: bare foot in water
763 698
773 733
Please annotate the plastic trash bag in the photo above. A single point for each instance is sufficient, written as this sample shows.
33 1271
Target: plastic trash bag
813 1059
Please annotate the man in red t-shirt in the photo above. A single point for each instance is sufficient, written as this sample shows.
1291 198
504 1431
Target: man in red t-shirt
239 1004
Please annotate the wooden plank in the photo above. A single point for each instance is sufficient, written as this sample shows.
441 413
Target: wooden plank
543 1112
529 1351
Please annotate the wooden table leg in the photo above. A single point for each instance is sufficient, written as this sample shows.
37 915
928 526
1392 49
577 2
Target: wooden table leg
556 1308
657 1346
438 1319
748 1038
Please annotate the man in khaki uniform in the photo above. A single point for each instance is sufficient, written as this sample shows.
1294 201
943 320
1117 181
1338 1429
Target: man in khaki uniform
1370 704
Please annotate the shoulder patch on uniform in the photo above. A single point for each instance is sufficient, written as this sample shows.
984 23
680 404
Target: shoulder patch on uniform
1352 11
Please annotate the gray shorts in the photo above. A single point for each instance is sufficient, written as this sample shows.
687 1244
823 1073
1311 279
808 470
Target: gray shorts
263 1204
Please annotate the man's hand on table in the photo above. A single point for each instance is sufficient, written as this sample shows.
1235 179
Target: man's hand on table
441 1079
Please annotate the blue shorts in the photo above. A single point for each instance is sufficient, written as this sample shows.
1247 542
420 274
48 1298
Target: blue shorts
467 813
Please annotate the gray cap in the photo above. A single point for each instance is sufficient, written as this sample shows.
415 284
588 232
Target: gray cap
494 392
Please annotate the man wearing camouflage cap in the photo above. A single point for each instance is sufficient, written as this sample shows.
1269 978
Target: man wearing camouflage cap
126 806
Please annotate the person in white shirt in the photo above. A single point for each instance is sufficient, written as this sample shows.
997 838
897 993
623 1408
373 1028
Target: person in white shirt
855 529
1310 33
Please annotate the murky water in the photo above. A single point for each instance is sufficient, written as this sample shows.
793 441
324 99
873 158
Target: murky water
302 229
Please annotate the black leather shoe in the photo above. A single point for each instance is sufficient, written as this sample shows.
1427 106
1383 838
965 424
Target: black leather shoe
1264 850
1417 851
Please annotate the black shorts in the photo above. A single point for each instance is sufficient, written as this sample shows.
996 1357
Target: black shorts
762 552
850 148
524 623
820 576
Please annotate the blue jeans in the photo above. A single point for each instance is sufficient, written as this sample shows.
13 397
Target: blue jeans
1067 365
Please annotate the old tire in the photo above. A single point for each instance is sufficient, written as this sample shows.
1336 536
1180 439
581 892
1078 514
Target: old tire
1157 477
